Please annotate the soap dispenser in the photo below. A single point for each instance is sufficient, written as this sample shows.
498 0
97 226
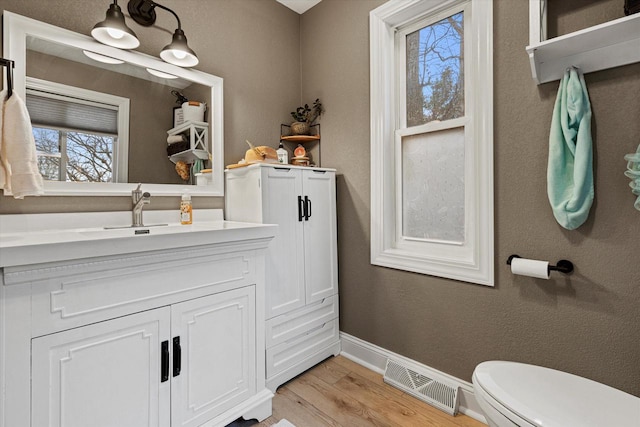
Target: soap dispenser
186 210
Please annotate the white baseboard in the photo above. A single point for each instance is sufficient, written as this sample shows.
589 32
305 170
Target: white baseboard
375 358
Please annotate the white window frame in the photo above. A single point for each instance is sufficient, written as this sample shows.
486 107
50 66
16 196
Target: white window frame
120 172
473 260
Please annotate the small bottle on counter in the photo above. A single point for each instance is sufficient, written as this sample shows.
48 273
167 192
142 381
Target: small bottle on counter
186 210
283 155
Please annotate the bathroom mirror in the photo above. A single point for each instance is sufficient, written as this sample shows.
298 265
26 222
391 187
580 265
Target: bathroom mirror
49 57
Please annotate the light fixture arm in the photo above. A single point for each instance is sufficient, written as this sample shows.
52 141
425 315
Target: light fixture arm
142 11
168 10
178 51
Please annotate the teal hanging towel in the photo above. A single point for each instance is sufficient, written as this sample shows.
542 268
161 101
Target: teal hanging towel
570 167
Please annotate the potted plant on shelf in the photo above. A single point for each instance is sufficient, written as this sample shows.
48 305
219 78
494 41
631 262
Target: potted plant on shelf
305 117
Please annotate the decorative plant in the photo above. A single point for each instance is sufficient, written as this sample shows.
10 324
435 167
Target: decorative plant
308 114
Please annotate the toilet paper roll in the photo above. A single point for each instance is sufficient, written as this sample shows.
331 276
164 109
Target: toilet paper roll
172 139
530 267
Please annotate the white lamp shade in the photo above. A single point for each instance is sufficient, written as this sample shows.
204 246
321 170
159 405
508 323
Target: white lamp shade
114 32
115 38
178 51
179 57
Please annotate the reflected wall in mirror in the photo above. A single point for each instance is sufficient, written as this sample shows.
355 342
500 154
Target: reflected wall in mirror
136 113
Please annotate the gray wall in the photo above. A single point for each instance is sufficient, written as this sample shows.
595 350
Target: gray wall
587 324
252 44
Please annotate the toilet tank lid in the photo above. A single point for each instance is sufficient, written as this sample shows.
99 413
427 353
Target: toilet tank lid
549 398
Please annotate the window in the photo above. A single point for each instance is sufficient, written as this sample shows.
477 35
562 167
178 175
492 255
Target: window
431 138
80 135
74 156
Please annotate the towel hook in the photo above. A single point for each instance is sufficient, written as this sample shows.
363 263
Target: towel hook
9 65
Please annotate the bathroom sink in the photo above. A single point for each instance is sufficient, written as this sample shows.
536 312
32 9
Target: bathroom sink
149 230
109 233
40 238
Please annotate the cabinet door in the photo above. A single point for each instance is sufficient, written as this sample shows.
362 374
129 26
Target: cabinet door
102 375
285 259
320 235
218 355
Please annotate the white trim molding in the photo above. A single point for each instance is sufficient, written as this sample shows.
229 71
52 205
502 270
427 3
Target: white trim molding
375 358
473 259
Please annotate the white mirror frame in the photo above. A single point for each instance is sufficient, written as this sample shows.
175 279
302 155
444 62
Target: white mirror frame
16 30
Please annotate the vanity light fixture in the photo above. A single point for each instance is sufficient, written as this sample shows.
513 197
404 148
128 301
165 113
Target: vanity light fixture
178 51
113 31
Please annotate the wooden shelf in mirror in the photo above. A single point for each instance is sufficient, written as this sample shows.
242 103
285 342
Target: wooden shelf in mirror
301 138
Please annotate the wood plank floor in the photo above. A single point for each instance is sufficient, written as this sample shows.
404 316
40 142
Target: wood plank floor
339 392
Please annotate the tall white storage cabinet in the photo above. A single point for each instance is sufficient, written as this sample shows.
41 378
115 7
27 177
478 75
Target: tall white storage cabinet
302 264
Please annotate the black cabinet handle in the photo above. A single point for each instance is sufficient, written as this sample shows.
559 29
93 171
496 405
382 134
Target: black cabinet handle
177 356
164 370
307 208
301 209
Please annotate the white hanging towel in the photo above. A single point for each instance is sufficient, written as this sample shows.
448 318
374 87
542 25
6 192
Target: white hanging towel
19 173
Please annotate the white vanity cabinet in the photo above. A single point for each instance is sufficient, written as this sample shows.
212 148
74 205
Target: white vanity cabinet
171 337
302 269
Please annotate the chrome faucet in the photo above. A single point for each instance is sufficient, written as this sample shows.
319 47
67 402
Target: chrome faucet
139 200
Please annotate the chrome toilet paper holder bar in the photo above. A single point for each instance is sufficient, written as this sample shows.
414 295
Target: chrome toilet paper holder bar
563 266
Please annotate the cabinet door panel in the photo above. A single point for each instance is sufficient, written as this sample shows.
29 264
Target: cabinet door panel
320 247
102 375
217 337
285 264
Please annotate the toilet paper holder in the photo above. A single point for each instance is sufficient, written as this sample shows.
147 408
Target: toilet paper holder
563 266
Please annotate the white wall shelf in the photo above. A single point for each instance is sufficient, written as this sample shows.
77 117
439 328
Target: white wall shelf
600 47
197 134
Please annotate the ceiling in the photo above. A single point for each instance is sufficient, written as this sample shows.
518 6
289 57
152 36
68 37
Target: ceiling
300 6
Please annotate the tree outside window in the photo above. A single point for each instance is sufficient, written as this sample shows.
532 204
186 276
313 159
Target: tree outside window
434 66
65 155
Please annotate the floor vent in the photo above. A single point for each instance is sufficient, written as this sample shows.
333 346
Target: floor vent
437 393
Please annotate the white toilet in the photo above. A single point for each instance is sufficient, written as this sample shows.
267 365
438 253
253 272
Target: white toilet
516 394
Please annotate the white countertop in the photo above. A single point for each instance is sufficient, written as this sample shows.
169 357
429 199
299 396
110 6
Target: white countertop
43 238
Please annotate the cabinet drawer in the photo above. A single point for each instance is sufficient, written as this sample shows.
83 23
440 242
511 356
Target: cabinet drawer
298 322
88 297
292 352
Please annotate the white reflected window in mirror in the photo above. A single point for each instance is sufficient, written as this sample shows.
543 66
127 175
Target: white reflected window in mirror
42 51
80 135
432 138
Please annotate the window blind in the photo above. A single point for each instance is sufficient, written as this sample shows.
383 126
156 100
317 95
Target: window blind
71 114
